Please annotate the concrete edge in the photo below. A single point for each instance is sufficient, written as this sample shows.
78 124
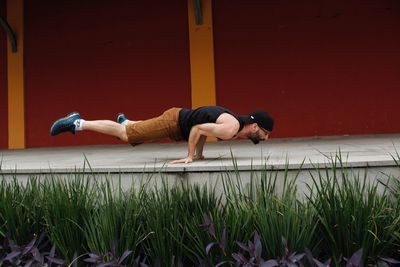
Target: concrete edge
190 168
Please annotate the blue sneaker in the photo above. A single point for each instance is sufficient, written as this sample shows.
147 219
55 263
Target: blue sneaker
65 124
121 118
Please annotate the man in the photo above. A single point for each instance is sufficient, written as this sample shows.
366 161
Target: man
178 124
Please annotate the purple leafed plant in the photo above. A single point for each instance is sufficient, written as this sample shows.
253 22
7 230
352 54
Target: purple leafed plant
108 260
289 259
28 255
355 260
209 227
386 260
251 253
254 251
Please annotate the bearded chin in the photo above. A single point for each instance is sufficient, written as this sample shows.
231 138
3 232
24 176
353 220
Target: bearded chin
254 139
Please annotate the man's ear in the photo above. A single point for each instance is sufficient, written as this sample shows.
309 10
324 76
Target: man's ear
254 127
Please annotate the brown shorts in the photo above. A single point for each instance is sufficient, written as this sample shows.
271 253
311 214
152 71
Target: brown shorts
164 126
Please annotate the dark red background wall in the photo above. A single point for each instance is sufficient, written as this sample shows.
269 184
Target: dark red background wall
320 67
100 58
3 82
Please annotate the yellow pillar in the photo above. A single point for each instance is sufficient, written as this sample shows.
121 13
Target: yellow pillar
15 76
202 55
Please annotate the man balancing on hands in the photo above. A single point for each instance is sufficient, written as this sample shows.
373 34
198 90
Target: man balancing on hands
178 124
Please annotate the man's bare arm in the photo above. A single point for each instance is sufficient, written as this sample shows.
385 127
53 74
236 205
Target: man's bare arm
219 130
194 138
199 148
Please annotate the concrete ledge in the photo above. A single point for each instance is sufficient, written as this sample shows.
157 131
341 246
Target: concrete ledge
126 166
277 154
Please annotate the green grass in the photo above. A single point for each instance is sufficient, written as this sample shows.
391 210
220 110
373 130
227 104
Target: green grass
87 213
115 220
21 213
67 204
352 213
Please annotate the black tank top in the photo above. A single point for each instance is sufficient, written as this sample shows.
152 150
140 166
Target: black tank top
189 118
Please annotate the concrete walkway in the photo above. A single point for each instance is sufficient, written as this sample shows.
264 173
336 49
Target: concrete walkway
356 151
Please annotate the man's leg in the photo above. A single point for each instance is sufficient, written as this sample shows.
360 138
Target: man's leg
134 132
73 122
164 126
106 127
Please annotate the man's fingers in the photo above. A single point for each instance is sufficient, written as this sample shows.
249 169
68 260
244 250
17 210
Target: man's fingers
185 160
178 161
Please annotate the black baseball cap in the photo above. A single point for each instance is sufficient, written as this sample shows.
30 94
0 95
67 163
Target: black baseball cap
262 118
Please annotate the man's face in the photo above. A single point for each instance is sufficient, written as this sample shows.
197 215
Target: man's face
259 135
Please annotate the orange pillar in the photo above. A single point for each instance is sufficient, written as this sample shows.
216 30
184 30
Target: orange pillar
15 76
202 55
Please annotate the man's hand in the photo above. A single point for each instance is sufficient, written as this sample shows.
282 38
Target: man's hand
188 159
185 160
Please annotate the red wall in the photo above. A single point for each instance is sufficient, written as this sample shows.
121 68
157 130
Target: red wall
320 67
3 82
100 58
